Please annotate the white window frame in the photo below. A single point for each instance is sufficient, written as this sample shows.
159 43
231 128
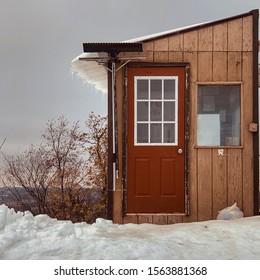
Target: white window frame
136 78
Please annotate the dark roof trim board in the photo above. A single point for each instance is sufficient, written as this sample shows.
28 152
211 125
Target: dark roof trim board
113 48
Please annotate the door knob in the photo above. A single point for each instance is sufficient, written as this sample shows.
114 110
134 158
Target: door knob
180 151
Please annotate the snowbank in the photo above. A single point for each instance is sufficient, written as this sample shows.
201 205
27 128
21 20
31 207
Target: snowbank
23 236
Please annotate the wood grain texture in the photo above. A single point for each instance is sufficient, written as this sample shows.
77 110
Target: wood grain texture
219 181
160 219
234 66
248 187
206 39
175 56
192 58
161 56
235 177
176 43
235 30
130 219
145 219
219 66
205 206
205 66
193 180
174 219
247 34
190 41
161 44
220 36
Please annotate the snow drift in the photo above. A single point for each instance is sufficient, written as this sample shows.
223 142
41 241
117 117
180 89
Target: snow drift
23 236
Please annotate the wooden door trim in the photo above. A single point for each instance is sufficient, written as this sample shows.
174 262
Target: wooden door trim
186 67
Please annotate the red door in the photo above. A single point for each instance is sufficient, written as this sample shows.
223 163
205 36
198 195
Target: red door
155 145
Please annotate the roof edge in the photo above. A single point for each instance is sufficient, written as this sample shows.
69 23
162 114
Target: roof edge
200 25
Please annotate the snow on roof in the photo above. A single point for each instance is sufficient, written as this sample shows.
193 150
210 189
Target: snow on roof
90 71
164 33
95 74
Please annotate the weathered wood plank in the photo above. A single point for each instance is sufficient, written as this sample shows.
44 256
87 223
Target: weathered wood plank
130 219
175 56
192 58
161 56
145 219
235 30
205 66
117 206
191 41
219 66
235 177
220 37
205 39
148 56
160 219
193 189
161 44
219 182
248 189
247 33
148 46
205 184
174 219
176 43
234 66
148 49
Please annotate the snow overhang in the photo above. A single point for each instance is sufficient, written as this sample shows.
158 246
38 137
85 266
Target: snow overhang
90 71
94 73
91 66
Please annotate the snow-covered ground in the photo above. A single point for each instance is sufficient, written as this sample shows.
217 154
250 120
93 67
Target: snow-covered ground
23 237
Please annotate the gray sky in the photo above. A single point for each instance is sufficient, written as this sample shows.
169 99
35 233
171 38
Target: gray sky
38 40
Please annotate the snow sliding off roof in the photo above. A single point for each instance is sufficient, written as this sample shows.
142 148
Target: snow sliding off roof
94 73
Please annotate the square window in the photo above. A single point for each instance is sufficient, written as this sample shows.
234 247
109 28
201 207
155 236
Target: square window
156 110
219 115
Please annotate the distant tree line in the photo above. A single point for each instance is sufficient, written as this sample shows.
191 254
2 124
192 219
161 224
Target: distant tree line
66 175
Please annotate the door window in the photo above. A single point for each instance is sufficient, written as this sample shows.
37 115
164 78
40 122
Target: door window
219 115
156 110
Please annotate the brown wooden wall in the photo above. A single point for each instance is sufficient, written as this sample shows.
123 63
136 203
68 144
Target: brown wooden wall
221 53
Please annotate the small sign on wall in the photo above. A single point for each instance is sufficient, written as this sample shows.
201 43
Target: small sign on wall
253 127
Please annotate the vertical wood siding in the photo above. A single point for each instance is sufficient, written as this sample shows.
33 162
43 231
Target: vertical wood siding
218 53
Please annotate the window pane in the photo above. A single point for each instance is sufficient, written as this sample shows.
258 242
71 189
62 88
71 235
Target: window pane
156 89
142 111
169 111
142 133
169 89
142 89
219 115
156 111
169 133
156 133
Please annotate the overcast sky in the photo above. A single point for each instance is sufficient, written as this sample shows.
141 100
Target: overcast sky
38 40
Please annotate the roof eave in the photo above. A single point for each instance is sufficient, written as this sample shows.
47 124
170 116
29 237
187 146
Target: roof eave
196 26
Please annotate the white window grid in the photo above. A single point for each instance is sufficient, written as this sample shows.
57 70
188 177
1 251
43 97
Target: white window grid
149 100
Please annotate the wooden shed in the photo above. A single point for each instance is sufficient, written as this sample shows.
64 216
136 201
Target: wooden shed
183 122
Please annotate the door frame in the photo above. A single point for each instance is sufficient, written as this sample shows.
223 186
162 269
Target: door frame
186 67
